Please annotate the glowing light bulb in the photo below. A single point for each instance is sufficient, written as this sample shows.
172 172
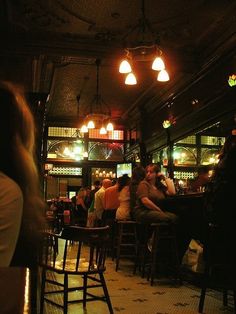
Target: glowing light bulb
130 79
125 67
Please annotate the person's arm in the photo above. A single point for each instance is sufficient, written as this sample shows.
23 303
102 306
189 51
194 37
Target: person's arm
11 209
98 205
105 200
149 204
83 204
143 195
170 187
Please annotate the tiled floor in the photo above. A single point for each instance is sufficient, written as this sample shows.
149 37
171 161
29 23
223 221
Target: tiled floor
131 294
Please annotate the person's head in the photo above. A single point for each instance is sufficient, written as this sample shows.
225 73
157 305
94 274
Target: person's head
81 193
203 171
123 181
17 132
97 184
230 142
87 190
138 174
152 171
17 160
114 181
106 183
17 140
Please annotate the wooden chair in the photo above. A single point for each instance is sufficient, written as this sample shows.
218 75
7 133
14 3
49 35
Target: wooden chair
220 270
81 253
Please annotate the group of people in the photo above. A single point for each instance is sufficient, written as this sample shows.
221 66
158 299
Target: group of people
140 197
128 198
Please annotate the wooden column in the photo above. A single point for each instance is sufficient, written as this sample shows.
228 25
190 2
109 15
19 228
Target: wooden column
170 167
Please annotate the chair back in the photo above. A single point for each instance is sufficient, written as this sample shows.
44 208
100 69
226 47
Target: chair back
76 250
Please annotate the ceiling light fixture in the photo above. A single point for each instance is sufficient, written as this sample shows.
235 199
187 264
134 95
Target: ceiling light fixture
142 45
99 114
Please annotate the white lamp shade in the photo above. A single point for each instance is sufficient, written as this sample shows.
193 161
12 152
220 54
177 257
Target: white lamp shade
158 64
130 79
163 76
125 67
103 130
84 129
110 127
90 125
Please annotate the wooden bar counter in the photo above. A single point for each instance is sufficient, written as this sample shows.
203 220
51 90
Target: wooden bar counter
190 210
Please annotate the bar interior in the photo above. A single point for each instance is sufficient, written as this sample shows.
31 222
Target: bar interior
134 107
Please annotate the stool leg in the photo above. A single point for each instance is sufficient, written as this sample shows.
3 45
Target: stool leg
154 255
119 240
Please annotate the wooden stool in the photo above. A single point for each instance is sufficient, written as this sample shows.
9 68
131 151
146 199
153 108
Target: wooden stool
126 238
143 234
164 237
109 219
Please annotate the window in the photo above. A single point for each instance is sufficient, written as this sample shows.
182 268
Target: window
105 151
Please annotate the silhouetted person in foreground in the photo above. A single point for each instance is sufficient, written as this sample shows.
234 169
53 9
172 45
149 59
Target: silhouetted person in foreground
21 205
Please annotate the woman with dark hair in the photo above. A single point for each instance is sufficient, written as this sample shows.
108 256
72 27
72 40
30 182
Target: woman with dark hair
151 191
138 174
80 210
21 205
123 211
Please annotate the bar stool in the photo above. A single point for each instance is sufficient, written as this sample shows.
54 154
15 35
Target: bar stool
143 234
163 250
109 219
126 240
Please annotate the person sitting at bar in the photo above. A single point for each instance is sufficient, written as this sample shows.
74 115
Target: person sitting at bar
111 203
138 174
123 211
99 201
201 180
150 192
21 205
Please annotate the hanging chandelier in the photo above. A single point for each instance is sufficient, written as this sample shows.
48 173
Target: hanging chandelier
99 115
142 46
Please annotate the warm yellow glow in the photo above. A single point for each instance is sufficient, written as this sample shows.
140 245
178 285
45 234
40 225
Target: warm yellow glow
166 124
85 154
27 292
66 151
213 160
84 129
110 127
163 76
91 125
77 149
125 67
103 130
176 155
130 79
158 64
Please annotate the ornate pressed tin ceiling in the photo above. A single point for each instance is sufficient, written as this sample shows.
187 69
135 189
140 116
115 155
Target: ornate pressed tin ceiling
51 46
